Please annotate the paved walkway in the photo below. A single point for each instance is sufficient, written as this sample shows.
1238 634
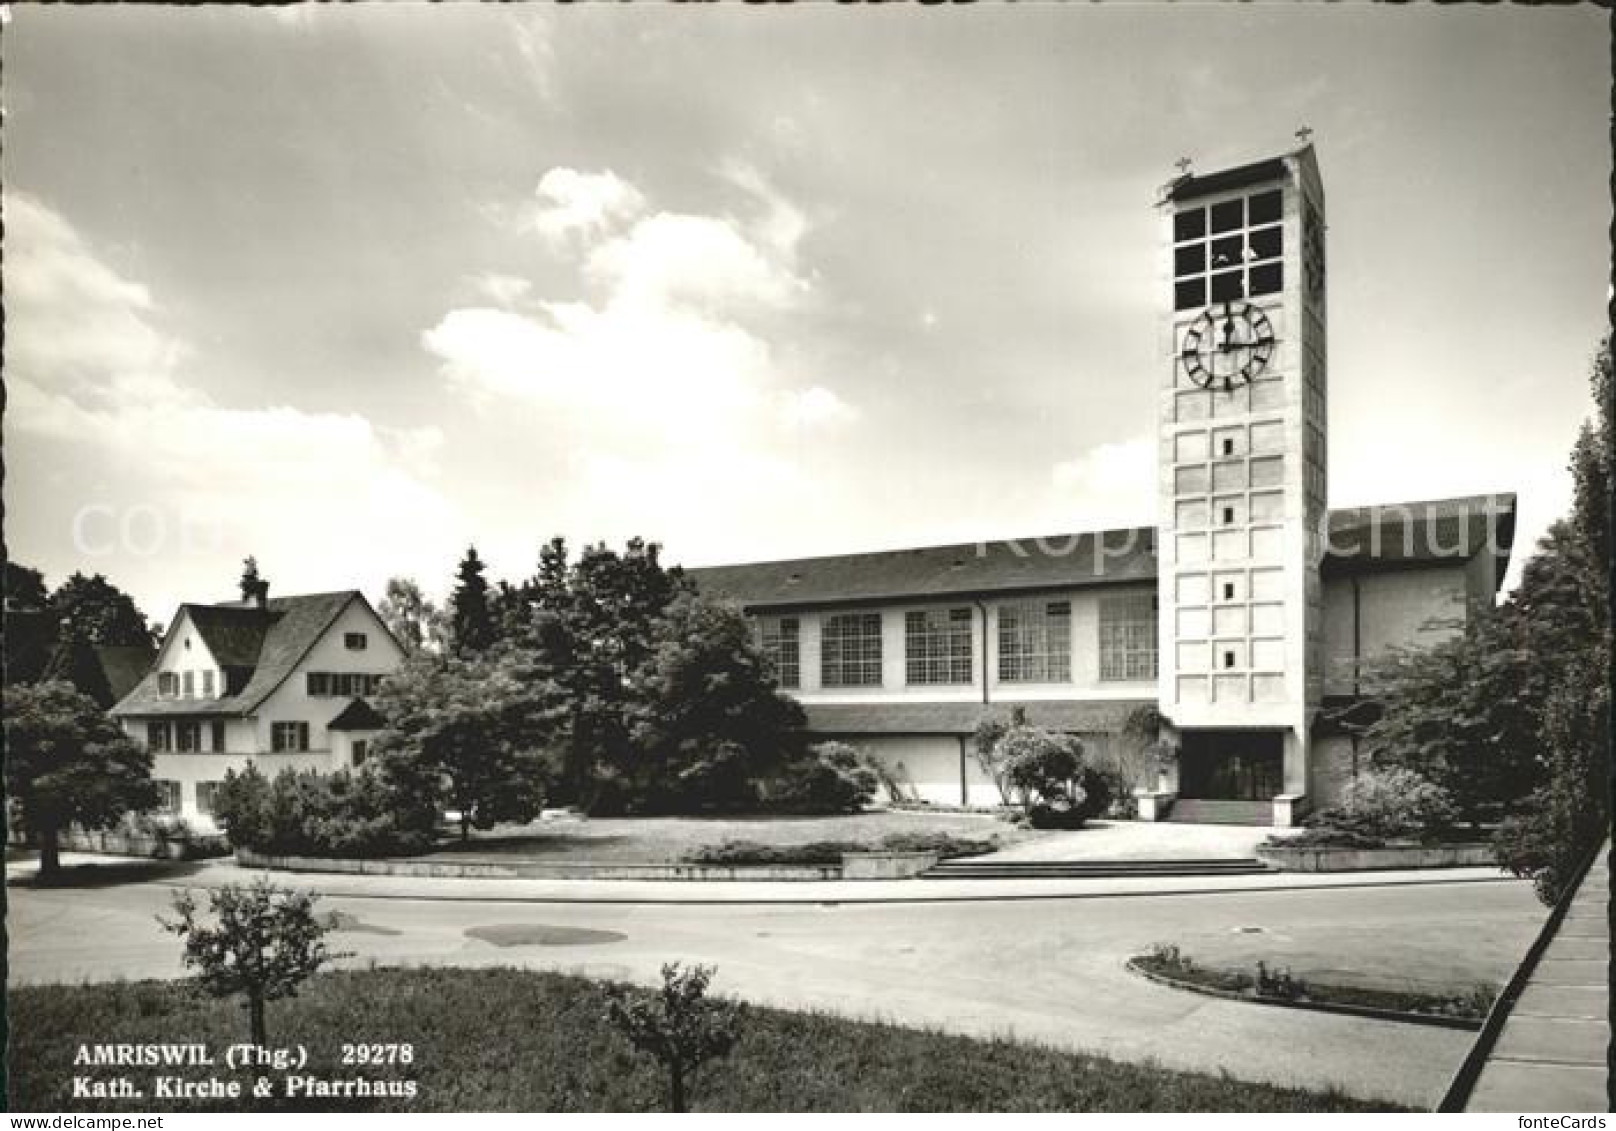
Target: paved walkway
213 873
1138 840
1552 1052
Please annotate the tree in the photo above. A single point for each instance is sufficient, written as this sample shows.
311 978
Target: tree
1457 713
24 588
68 763
1564 601
100 611
705 718
471 622
415 622
479 727
589 628
75 661
679 1025
30 626
263 942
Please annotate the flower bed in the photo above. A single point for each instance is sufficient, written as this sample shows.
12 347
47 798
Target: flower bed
1264 985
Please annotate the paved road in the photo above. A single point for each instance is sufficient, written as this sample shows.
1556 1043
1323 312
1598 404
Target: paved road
1047 970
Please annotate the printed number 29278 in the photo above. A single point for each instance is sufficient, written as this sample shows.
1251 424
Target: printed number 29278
378 1054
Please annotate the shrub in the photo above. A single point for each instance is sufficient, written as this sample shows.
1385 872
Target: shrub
303 813
1041 765
1387 804
739 853
832 779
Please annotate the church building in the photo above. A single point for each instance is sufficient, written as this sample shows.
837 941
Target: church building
1244 617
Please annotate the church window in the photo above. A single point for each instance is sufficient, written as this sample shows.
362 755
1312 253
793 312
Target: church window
1228 286
1189 224
780 640
1228 215
1267 278
1035 642
937 646
850 650
1265 207
1128 637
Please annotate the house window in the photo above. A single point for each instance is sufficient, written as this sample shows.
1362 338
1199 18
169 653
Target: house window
168 684
168 795
355 641
187 736
218 736
850 649
319 684
289 738
157 737
361 750
207 684
937 646
190 685
206 793
779 638
1128 637
1035 642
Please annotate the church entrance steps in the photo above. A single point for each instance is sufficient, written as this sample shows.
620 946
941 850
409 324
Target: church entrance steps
1210 811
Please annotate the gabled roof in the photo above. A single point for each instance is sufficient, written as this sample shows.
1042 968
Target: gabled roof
1392 536
269 642
357 715
124 666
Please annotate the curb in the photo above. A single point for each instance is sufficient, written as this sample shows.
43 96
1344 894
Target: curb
1432 1020
841 899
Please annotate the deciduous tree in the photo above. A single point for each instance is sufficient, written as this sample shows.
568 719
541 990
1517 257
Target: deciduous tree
260 941
68 763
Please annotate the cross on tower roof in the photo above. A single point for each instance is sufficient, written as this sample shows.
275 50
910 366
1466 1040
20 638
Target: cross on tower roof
1304 133
1183 164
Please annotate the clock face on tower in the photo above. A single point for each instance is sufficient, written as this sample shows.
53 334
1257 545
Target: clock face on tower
1227 345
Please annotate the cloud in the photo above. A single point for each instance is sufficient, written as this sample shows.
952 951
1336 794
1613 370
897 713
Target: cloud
502 290
675 344
571 203
815 408
97 382
1112 485
670 387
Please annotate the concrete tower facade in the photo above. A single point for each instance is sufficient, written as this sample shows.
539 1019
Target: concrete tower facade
1242 486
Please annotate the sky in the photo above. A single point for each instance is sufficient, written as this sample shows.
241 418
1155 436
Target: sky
349 288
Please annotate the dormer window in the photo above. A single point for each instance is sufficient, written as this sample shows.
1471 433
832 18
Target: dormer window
355 641
207 684
168 684
190 685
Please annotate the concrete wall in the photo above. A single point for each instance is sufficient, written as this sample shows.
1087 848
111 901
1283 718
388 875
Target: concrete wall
1396 609
929 767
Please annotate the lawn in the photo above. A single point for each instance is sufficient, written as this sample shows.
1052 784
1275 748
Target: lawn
511 1040
666 840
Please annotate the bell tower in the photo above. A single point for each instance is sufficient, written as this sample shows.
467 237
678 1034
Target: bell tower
1242 490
